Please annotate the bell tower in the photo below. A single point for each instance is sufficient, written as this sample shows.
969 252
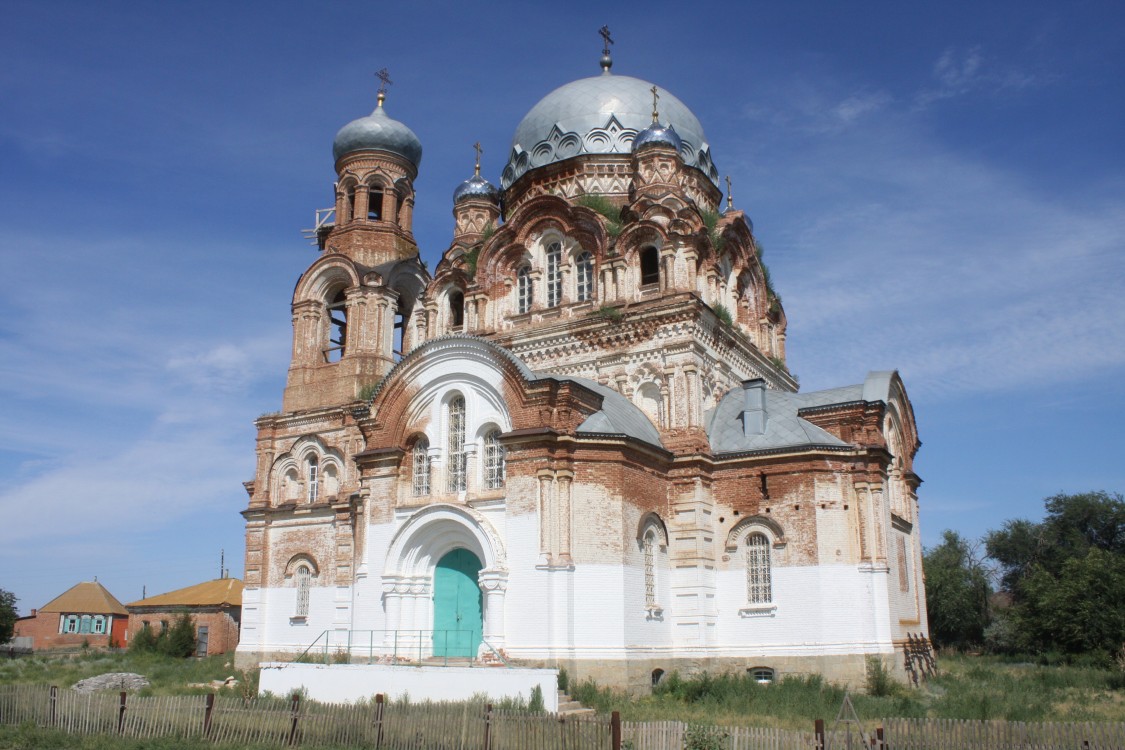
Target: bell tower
352 306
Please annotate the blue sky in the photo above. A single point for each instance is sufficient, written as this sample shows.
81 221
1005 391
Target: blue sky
939 189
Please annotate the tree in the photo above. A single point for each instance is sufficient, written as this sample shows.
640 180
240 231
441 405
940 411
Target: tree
8 615
178 640
1066 574
957 592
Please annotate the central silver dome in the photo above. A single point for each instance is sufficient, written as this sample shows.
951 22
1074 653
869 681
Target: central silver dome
600 115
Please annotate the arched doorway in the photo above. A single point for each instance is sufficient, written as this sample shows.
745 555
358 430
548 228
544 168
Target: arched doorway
458 619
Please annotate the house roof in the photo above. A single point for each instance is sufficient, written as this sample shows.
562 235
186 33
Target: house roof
219 592
88 597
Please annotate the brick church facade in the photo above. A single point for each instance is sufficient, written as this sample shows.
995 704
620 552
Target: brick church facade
576 442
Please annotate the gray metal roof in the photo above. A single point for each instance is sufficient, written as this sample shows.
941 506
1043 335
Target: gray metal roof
600 115
378 132
618 416
784 429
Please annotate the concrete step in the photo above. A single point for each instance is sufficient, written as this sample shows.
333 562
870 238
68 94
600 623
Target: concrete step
570 707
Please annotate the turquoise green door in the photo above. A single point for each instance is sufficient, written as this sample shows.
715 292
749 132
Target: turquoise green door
457 604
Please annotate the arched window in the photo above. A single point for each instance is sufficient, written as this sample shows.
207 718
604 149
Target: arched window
338 325
657 675
524 290
649 544
456 458
349 205
650 266
493 461
554 274
456 309
304 581
584 277
759 585
421 483
374 203
312 489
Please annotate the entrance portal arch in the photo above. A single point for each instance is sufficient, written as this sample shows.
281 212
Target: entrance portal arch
445 551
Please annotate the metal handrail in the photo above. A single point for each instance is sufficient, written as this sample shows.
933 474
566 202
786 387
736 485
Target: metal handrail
398 645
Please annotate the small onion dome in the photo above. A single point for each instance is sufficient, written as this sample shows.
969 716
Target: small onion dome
665 135
377 132
476 187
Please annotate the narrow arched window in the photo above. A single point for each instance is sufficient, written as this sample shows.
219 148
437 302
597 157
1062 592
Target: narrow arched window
524 290
421 483
554 274
493 461
456 458
304 582
349 206
374 203
312 489
759 585
338 328
650 543
584 277
650 266
456 309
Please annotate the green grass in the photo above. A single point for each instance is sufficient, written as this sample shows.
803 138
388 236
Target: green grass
970 687
168 675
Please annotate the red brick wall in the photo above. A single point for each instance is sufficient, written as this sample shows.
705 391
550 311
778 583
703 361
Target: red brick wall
221 624
44 629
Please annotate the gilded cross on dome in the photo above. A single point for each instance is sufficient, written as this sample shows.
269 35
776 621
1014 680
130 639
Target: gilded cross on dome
479 150
730 199
385 80
655 112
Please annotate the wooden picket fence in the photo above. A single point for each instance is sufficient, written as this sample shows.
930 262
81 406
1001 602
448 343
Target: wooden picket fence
956 734
291 722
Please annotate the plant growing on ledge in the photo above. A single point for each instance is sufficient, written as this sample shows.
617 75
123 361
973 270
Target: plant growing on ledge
723 314
605 207
489 230
608 312
711 220
471 258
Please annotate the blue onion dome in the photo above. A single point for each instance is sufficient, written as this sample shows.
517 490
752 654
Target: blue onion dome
378 132
665 135
601 115
476 187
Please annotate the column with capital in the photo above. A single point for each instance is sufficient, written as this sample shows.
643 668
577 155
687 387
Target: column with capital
493 585
392 607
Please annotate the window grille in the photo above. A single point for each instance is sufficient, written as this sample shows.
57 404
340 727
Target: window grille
554 274
493 461
759 586
304 580
457 456
584 265
421 485
650 568
524 289
314 480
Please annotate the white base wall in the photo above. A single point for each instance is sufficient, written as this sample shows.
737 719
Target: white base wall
348 683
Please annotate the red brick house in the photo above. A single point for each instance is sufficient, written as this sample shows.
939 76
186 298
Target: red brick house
215 607
86 613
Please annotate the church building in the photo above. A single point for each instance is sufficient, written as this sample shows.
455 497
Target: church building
576 442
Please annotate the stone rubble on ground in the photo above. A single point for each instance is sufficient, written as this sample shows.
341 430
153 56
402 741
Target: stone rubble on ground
112 681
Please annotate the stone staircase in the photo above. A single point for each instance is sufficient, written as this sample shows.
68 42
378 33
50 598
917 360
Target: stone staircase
569 707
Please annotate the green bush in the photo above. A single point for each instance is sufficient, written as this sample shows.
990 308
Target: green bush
700 737
723 314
